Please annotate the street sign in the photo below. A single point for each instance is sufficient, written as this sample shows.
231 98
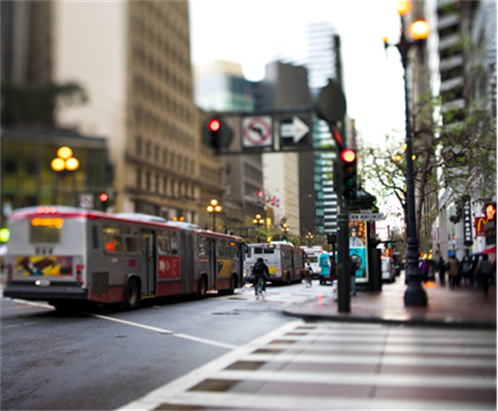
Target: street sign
366 217
257 132
86 201
292 130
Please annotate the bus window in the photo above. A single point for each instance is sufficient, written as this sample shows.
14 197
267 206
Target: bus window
174 243
163 243
269 251
112 239
95 237
286 254
45 230
131 239
201 247
257 250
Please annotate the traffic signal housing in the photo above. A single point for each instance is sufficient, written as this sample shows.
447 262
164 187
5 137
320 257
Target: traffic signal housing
104 200
349 178
216 133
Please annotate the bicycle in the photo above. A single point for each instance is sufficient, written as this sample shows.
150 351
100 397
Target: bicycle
260 292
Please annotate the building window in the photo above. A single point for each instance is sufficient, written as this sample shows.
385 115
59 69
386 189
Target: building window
156 153
138 146
147 149
157 183
165 157
139 179
147 181
165 185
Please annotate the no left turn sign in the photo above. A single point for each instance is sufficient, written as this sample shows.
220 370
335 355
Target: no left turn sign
257 132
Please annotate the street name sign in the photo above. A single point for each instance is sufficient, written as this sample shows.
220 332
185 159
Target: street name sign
366 217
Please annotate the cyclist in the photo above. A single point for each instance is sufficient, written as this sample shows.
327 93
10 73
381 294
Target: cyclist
260 270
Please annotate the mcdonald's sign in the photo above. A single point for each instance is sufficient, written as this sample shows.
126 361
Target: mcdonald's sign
480 222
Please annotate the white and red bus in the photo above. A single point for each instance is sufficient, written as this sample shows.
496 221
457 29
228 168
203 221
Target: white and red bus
285 261
66 255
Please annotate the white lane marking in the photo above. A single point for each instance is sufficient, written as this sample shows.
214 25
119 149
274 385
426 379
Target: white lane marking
397 380
381 359
4 327
153 399
147 327
32 303
163 331
203 340
228 400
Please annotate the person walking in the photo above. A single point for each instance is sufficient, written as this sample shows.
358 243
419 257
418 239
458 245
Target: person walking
308 272
467 280
441 268
484 272
353 267
451 267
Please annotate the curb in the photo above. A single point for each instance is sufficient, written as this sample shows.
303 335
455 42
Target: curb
447 322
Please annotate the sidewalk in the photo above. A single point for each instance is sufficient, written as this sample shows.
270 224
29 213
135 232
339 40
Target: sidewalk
461 307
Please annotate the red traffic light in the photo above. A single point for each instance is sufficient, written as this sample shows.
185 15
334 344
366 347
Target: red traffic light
103 197
348 155
214 124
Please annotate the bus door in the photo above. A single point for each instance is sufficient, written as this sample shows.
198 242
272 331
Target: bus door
148 262
187 261
212 263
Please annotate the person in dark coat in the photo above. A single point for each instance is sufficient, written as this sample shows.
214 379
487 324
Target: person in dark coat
441 268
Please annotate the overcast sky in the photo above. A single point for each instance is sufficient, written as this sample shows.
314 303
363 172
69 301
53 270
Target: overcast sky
247 32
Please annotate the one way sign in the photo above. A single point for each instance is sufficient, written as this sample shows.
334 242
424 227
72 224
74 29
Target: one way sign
293 130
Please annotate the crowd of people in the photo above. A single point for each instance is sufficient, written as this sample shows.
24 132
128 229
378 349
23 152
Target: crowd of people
478 273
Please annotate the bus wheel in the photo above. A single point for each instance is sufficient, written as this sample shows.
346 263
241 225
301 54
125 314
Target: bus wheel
132 295
202 290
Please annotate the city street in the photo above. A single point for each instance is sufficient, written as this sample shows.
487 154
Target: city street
102 361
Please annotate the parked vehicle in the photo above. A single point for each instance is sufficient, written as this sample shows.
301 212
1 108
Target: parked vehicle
324 262
387 270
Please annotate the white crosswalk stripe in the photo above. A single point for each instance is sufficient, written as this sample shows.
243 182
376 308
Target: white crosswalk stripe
343 366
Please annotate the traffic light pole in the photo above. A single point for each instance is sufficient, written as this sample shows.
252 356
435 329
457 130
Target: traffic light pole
344 283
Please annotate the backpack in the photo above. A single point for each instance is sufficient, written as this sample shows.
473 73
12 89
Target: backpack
258 269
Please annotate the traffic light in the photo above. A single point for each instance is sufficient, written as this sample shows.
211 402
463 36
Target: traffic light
216 133
104 198
348 162
490 210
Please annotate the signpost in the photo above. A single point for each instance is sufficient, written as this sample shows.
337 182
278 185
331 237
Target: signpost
293 130
257 132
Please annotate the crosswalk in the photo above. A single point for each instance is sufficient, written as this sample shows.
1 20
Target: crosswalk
329 366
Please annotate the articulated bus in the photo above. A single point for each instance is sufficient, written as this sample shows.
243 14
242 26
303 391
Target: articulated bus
66 255
285 262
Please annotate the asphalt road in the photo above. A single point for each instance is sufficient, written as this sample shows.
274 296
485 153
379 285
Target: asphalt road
103 360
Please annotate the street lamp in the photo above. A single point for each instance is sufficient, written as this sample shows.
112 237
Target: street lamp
415 294
64 163
258 222
285 229
214 208
309 237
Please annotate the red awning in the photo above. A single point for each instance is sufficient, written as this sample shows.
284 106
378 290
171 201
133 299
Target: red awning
491 250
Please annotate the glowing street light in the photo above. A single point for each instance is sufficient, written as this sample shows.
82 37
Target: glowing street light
214 208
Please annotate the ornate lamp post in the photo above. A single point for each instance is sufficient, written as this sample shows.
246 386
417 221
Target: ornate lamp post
214 208
309 237
258 222
415 294
285 229
63 164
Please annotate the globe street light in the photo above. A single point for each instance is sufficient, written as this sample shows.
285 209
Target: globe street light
415 294
309 237
64 163
214 208
258 222
285 229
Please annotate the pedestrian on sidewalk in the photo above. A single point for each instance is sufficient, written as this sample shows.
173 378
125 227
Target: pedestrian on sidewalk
424 269
465 268
441 268
451 267
484 271
353 267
